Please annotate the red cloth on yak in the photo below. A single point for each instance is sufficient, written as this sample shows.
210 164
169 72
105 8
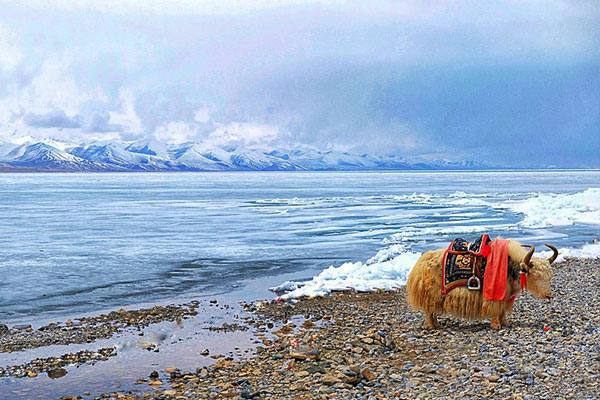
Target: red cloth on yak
495 276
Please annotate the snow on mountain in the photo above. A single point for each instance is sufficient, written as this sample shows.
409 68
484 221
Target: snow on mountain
196 156
44 156
315 160
260 159
149 147
119 157
193 156
6 148
456 164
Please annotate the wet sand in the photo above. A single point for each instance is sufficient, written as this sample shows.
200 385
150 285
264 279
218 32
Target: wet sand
348 345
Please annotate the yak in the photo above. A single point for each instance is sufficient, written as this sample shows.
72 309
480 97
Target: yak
425 282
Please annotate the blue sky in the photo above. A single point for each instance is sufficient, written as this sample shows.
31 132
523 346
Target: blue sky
509 82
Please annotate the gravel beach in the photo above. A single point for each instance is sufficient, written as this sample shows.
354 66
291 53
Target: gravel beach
89 329
373 346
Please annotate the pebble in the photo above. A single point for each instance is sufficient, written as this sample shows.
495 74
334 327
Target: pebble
88 329
368 374
56 373
38 365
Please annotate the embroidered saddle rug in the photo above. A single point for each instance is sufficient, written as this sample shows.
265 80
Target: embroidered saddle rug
464 260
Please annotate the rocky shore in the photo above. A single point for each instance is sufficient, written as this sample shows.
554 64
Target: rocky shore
373 346
54 366
89 329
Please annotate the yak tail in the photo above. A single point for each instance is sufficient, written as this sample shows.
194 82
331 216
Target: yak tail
423 288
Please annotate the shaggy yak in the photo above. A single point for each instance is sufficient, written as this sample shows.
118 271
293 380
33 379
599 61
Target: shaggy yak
424 287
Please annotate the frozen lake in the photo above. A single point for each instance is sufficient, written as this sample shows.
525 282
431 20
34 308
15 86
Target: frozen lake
75 243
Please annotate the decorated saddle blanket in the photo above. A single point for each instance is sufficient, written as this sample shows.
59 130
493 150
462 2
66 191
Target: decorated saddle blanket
464 260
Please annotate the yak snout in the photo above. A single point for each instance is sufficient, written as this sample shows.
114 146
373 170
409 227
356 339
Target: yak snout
543 295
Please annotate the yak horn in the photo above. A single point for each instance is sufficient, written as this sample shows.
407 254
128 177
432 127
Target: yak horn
551 259
527 259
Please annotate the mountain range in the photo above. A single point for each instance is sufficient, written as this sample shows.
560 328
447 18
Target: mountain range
198 156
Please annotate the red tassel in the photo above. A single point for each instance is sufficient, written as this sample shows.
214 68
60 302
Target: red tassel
486 250
523 281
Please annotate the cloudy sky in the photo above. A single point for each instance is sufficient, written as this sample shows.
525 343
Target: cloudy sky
511 82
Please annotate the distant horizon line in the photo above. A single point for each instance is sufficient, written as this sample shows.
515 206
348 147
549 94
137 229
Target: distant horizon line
500 169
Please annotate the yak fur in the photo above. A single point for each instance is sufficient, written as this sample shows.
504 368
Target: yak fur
425 283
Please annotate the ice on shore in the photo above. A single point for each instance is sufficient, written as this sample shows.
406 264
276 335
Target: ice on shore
542 210
546 210
388 269
286 286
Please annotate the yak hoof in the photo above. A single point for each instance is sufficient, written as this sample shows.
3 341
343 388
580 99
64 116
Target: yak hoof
496 324
431 322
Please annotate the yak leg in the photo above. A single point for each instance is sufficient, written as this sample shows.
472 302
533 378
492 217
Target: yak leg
503 319
431 321
494 309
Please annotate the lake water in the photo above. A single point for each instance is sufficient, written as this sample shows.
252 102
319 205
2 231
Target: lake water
75 243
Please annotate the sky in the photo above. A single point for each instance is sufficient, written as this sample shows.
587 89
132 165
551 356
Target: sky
508 82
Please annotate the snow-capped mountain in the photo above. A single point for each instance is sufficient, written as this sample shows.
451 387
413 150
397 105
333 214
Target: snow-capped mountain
44 156
118 157
193 156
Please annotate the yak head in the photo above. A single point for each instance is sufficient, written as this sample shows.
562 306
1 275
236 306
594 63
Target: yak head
539 272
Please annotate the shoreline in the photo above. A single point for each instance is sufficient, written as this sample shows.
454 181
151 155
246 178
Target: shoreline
246 290
347 344
20 170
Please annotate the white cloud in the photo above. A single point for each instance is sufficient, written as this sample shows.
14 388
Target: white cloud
223 134
97 136
10 52
245 132
167 7
202 114
55 87
174 132
51 89
127 117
